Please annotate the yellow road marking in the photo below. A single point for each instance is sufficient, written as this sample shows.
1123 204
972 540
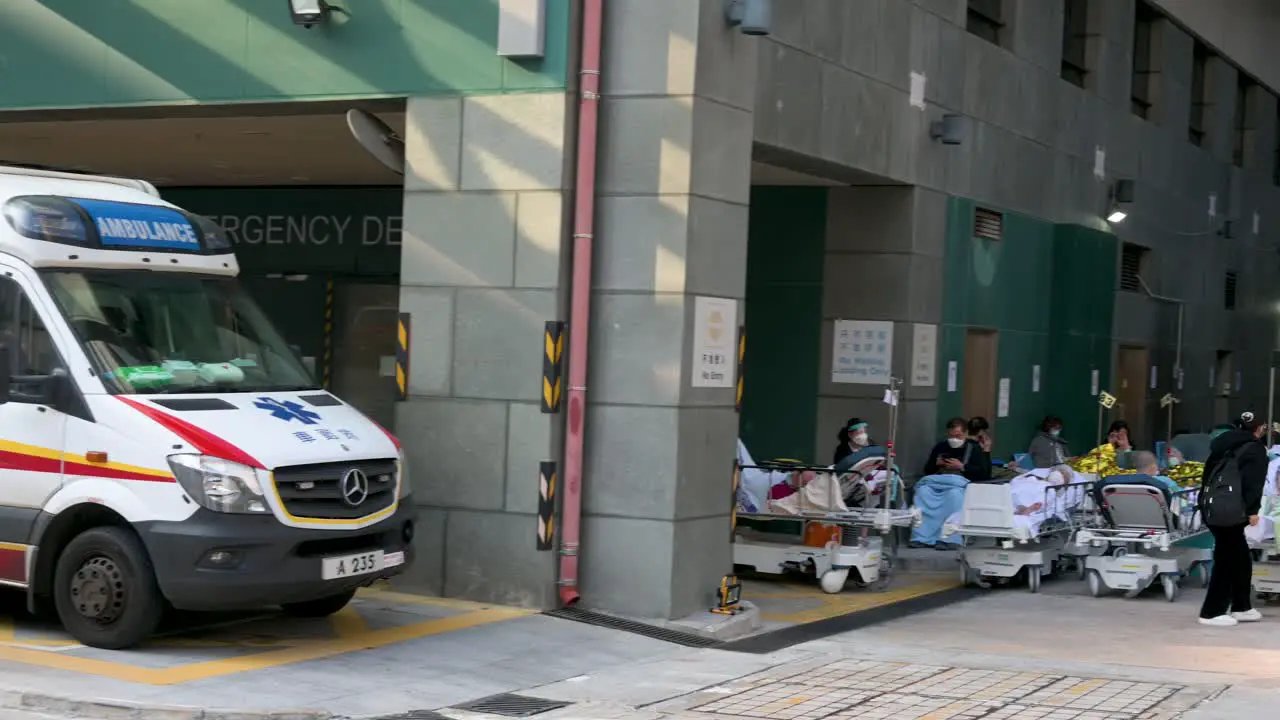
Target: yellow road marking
845 603
304 651
347 622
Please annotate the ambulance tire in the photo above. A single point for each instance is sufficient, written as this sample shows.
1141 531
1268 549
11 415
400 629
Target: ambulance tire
322 607
110 567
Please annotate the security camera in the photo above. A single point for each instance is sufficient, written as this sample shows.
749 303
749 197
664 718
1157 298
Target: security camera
950 130
752 17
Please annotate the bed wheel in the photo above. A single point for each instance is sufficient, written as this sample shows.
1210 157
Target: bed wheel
1095 583
1034 575
833 581
1170 585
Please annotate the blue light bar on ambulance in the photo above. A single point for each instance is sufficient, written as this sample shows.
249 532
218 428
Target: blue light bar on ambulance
129 225
114 225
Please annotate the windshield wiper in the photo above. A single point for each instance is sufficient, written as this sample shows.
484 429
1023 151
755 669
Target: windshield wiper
183 390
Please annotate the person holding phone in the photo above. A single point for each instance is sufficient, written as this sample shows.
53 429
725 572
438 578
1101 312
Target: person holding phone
957 454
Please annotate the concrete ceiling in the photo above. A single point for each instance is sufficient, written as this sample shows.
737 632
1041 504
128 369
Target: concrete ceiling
229 151
281 148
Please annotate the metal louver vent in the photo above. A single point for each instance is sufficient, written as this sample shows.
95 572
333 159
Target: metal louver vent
1131 267
1229 292
988 224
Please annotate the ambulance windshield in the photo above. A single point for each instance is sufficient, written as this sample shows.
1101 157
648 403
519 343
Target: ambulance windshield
154 332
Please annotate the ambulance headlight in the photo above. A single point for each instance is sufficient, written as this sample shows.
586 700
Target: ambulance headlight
52 219
405 487
219 485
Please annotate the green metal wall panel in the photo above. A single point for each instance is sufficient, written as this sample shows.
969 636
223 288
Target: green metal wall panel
1081 327
1049 292
785 255
87 53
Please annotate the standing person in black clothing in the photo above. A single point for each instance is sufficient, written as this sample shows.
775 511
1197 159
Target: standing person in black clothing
1230 597
958 455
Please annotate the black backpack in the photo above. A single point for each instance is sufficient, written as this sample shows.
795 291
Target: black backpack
1222 495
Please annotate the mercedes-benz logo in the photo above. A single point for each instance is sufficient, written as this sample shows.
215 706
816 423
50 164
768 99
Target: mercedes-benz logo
354 487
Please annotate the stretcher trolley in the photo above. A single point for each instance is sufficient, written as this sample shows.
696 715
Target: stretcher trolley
848 524
1004 538
1147 536
1266 547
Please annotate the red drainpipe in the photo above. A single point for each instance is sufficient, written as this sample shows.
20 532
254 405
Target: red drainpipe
580 295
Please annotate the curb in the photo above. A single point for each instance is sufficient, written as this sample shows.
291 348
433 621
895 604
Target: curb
122 710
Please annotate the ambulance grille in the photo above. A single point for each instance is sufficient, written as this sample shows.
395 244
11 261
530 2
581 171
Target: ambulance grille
315 491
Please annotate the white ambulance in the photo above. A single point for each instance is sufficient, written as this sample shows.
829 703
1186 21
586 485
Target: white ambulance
161 446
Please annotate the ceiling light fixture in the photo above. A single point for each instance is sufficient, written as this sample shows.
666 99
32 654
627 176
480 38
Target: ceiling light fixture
308 13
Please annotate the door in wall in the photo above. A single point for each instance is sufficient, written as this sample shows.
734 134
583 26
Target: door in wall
1131 393
364 348
980 364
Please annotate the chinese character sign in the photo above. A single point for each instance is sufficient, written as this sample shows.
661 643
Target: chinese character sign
715 341
862 352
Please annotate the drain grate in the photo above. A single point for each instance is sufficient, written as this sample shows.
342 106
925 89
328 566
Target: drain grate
516 706
676 637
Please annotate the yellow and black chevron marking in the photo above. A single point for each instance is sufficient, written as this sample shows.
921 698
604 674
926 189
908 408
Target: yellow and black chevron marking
402 358
742 355
546 505
552 352
328 333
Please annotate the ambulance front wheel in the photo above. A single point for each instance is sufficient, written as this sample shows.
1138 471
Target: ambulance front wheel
833 581
105 589
323 607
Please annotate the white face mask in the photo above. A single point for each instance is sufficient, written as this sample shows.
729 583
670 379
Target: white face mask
1055 432
956 443
860 439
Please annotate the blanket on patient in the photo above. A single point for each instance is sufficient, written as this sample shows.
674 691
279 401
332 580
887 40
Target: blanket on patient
1264 533
939 497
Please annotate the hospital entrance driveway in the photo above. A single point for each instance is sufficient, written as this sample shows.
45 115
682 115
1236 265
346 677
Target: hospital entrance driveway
1002 654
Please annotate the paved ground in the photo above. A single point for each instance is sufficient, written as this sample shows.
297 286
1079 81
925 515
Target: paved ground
1006 654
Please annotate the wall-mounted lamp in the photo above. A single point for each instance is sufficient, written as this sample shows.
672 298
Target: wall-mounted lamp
950 130
1119 200
311 12
752 17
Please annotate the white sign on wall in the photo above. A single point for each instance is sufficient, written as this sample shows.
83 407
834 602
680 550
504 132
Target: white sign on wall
862 352
953 369
1002 405
715 337
924 354
1093 383
1035 378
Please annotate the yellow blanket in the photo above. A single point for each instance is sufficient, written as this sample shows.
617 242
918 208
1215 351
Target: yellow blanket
1101 461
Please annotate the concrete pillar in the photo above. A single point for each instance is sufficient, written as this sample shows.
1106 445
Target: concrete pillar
885 247
674 187
1171 76
1220 107
484 218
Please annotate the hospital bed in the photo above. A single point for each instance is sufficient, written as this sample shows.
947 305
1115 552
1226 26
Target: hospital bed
853 541
1262 538
1147 536
1021 526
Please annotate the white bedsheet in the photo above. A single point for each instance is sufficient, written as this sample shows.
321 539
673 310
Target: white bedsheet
1265 531
1033 504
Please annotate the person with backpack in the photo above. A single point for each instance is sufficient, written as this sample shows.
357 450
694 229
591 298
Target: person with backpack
1230 500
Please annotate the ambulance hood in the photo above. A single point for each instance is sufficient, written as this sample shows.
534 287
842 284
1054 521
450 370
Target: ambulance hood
269 430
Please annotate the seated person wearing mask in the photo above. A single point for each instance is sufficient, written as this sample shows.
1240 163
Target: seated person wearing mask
958 455
1047 447
852 438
